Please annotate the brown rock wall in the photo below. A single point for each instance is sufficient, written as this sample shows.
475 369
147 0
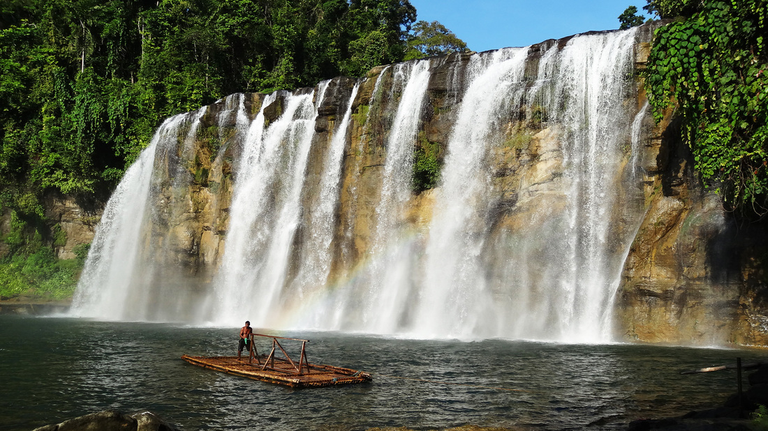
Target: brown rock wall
686 279
76 219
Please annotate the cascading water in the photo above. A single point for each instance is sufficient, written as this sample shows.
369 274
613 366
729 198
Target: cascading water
522 239
115 284
352 210
317 254
558 275
454 294
265 210
594 77
388 279
637 132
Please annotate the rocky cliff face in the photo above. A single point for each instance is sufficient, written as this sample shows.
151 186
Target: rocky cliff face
630 218
693 275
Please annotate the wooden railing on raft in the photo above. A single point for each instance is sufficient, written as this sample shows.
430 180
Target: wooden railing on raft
269 362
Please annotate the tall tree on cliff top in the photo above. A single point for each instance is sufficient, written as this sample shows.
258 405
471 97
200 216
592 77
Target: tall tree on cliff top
430 39
629 18
710 64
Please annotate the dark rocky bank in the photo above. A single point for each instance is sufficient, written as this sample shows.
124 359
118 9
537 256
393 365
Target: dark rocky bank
737 413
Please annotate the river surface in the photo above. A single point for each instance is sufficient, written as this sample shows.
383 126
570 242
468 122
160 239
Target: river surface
53 369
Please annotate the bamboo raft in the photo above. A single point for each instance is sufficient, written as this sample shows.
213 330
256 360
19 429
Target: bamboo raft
283 370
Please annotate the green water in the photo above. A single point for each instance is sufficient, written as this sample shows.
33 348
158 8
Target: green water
52 369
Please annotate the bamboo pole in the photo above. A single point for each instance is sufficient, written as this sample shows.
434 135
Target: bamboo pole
303 358
273 353
254 353
271 357
282 338
288 357
250 348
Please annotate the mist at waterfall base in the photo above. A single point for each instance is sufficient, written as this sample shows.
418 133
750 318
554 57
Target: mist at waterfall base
459 276
55 369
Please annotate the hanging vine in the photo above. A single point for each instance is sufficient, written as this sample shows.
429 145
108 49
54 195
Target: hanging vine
712 67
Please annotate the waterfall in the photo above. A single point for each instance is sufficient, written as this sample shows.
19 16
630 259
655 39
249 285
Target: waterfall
318 256
115 284
637 132
389 275
265 211
558 281
592 72
522 238
454 290
353 191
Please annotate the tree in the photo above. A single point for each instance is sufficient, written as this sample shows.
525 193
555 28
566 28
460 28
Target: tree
629 18
376 31
711 67
430 39
673 8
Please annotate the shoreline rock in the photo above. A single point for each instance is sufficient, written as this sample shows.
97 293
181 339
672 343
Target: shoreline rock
110 420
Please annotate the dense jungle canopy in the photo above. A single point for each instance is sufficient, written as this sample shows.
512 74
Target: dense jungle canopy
85 82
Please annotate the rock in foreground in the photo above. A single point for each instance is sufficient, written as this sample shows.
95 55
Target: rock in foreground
110 420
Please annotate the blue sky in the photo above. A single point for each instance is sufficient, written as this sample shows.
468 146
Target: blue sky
494 24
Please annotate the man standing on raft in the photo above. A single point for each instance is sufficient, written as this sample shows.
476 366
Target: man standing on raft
245 339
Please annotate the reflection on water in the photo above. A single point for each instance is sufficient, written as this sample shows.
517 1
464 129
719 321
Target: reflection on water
55 369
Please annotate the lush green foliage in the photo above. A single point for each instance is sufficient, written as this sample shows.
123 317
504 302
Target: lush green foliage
760 418
83 83
431 39
629 18
29 267
712 65
39 276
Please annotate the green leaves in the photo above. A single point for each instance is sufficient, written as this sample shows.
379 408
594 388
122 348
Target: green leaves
709 66
629 18
430 39
672 8
375 33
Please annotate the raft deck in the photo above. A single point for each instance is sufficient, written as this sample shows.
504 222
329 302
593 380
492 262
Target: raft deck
272 368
